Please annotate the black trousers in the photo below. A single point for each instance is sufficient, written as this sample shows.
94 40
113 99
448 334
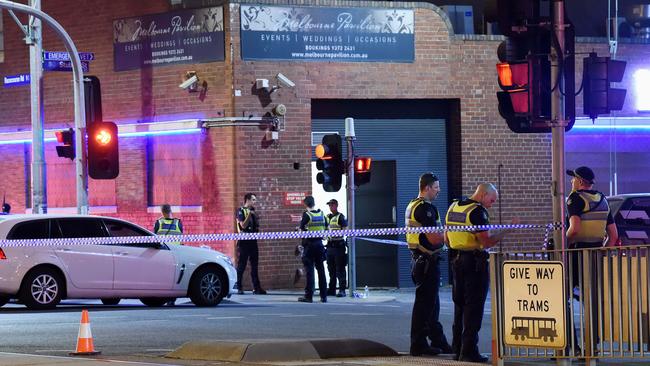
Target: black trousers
313 255
247 251
336 262
470 287
425 272
577 269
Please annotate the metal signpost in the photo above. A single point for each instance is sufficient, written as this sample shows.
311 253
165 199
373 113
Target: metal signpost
350 137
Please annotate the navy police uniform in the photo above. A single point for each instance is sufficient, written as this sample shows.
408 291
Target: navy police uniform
247 249
471 279
313 253
336 256
425 273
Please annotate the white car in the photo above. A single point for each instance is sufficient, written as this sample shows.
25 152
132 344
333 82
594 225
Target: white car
155 273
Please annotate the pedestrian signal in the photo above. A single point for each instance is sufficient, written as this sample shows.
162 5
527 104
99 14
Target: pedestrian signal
362 170
65 137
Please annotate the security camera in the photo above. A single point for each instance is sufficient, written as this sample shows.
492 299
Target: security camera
285 81
187 84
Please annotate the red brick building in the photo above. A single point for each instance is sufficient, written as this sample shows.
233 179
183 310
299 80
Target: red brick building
205 173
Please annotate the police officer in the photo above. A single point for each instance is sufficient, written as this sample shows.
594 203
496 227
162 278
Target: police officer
470 268
590 226
336 257
168 225
313 253
248 222
425 270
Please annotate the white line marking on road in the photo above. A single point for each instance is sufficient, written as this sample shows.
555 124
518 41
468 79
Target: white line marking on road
225 317
53 350
297 316
270 314
76 358
191 315
355 314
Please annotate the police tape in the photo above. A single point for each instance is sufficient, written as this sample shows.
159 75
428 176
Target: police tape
277 235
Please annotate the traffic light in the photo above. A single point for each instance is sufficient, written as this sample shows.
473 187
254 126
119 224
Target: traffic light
92 99
362 170
103 152
597 73
330 161
525 70
66 137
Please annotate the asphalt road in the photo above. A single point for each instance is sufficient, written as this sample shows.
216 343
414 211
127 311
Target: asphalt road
131 328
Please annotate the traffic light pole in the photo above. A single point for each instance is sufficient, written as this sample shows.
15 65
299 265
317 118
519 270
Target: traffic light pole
79 104
558 124
39 173
350 137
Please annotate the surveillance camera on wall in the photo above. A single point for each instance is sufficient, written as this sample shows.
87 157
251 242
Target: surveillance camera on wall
262 83
188 83
285 81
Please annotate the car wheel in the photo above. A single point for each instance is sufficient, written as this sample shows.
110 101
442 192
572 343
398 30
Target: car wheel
154 302
42 289
4 300
208 287
111 301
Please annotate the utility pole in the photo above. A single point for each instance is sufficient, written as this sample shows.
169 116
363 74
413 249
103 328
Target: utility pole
558 124
34 39
350 137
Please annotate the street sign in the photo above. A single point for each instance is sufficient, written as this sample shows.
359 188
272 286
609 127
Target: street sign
16 80
64 56
64 66
534 304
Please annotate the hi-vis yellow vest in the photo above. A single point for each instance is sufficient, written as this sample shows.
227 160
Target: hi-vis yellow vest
333 224
169 227
316 221
593 220
247 213
413 239
459 216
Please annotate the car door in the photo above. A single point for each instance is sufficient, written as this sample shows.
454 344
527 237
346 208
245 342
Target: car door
89 266
633 221
140 266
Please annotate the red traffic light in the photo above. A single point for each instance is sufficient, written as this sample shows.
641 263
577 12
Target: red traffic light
103 137
103 150
362 164
65 137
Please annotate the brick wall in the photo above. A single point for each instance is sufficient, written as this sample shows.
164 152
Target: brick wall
239 160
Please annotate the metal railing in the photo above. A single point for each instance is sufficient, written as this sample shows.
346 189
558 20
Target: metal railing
606 304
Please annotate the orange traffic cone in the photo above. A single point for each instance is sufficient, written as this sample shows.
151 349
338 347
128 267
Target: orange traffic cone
85 339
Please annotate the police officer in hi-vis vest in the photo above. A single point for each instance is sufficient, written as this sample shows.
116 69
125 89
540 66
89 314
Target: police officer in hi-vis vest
590 226
336 256
248 222
470 268
313 253
425 270
168 225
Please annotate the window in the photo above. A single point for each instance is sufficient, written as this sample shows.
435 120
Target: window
174 170
82 228
118 228
35 229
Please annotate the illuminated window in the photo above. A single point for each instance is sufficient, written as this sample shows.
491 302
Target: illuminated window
642 89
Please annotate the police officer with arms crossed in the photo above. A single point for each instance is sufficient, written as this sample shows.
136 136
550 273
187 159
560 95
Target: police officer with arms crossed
336 257
248 222
313 253
470 268
425 270
590 226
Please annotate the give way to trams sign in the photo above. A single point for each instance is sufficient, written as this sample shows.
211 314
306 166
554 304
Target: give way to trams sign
534 304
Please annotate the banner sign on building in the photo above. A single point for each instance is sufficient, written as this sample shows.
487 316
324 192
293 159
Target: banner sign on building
534 307
179 37
327 34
